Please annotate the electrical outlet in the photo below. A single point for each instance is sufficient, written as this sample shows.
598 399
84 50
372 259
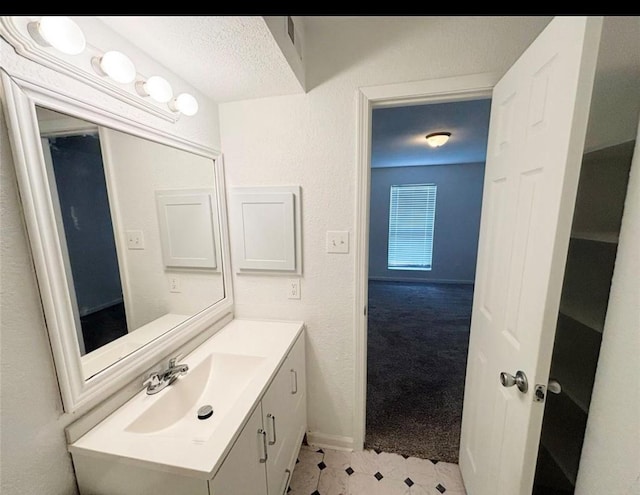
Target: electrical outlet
135 239
174 284
293 288
337 241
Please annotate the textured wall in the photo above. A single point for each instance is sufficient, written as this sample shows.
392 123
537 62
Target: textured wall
311 140
457 220
34 457
33 452
610 460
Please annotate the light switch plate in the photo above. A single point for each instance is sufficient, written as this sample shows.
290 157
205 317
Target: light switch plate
337 241
135 239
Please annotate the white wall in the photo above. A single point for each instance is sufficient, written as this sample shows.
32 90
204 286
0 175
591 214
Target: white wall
610 460
32 450
310 140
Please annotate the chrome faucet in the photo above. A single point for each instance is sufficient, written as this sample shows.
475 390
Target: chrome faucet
160 379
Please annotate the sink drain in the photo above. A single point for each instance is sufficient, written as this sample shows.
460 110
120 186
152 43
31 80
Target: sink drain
205 412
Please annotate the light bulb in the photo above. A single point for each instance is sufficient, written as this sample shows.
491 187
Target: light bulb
60 32
156 87
117 66
184 103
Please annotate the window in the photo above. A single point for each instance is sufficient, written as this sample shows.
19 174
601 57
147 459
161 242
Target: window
412 213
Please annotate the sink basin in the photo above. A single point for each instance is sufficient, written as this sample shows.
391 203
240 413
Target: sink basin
218 381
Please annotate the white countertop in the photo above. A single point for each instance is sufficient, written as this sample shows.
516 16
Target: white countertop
95 361
196 455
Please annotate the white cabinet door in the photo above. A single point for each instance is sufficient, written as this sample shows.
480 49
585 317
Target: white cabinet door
284 418
243 471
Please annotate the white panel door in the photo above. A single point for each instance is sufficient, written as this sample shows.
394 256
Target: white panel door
536 138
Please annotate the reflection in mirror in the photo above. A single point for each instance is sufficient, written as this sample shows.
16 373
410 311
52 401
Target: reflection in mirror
138 224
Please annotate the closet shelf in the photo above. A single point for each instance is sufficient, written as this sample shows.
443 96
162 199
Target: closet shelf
563 433
575 357
557 460
607 237
576 394
589 317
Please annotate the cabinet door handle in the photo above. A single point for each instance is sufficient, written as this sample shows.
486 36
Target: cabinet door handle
263 433
286 484
273 427
294 390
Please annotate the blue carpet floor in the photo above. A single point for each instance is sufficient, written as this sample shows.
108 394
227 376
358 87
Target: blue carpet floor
418 336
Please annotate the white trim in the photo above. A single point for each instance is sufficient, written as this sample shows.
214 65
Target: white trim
457 88
335 442
78 394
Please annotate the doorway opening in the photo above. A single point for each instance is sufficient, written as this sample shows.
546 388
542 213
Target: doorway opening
78 170
424 223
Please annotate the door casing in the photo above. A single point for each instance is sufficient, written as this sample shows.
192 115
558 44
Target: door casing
450 89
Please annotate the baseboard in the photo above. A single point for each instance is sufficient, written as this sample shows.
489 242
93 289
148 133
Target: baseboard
420 280
334 442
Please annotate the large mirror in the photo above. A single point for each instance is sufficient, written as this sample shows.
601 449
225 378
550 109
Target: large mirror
139 230
128 231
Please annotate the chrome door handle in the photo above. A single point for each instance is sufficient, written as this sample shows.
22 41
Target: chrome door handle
273 425
520 380
286 484
264 445
294 389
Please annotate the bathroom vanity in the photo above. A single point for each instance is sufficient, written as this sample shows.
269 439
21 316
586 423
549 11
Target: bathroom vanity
252 373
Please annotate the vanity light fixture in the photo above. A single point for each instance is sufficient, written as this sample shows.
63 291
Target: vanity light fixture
185 104
437 139
59 32
115 65
156 87
65 36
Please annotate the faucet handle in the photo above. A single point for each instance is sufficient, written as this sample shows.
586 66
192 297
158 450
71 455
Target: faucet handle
152 382
174 360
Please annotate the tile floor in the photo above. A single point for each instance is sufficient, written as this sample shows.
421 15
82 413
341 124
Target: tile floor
333 472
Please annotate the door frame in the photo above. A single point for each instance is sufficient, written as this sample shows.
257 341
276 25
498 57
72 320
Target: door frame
450 89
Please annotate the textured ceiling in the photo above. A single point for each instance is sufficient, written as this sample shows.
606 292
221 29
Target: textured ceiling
226 58
231 58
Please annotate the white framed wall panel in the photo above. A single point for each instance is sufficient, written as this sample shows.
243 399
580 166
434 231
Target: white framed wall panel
265 224
187 228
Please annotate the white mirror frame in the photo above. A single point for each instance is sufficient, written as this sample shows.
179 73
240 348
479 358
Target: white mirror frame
21 98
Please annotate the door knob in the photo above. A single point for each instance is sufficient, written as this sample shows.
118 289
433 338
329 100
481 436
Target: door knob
520 380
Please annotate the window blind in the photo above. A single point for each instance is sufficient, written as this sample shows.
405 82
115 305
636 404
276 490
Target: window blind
412 212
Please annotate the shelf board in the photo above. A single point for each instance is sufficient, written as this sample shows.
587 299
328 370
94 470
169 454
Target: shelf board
575 356
563 433
576 391
549 477
608 237
588 316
